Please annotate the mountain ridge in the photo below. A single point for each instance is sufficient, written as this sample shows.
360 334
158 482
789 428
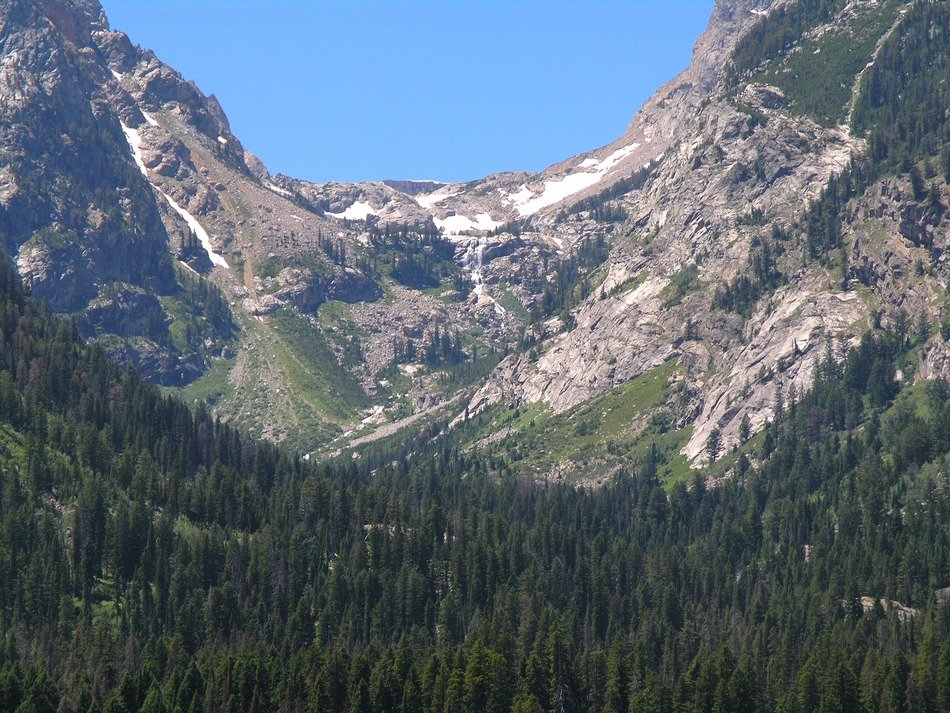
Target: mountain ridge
526 269
681 446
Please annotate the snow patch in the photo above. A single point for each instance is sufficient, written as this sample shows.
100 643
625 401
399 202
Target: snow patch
135 143
149 118
556 191
430 200
199 231
358 211
276 189
187 266
455 224
522 196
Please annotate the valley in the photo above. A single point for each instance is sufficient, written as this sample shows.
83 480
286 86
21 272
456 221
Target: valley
663 427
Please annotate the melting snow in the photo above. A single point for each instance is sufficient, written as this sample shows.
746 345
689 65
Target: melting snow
556 191
187 266
358 211
523 195
135 143
277 189
429 200
118 77
199 231
455 224
149 118
223 141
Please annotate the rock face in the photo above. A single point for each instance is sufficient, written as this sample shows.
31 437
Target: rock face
88 230
733 171
729 168
70 207
127 311
305 290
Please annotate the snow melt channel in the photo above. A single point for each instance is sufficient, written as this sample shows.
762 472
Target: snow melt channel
135 144
199 231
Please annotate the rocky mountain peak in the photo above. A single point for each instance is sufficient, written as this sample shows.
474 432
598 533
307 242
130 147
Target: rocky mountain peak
76 20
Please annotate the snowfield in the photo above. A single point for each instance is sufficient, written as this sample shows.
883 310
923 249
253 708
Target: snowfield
553 192
358 211
456 224
430 200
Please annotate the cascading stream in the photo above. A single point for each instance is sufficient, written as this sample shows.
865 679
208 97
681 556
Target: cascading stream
473 262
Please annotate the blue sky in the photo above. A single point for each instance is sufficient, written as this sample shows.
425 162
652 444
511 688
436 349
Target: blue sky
451 90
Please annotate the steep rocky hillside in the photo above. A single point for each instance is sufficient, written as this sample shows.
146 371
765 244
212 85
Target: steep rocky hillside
768 235
128 203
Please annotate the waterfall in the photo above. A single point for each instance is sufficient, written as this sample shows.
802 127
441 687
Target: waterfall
473 261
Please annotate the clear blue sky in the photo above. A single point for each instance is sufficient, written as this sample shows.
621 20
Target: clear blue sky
451 90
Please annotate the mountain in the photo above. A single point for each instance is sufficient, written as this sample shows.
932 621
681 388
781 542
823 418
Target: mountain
180 254
729 284
743 225
155 559
676 441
